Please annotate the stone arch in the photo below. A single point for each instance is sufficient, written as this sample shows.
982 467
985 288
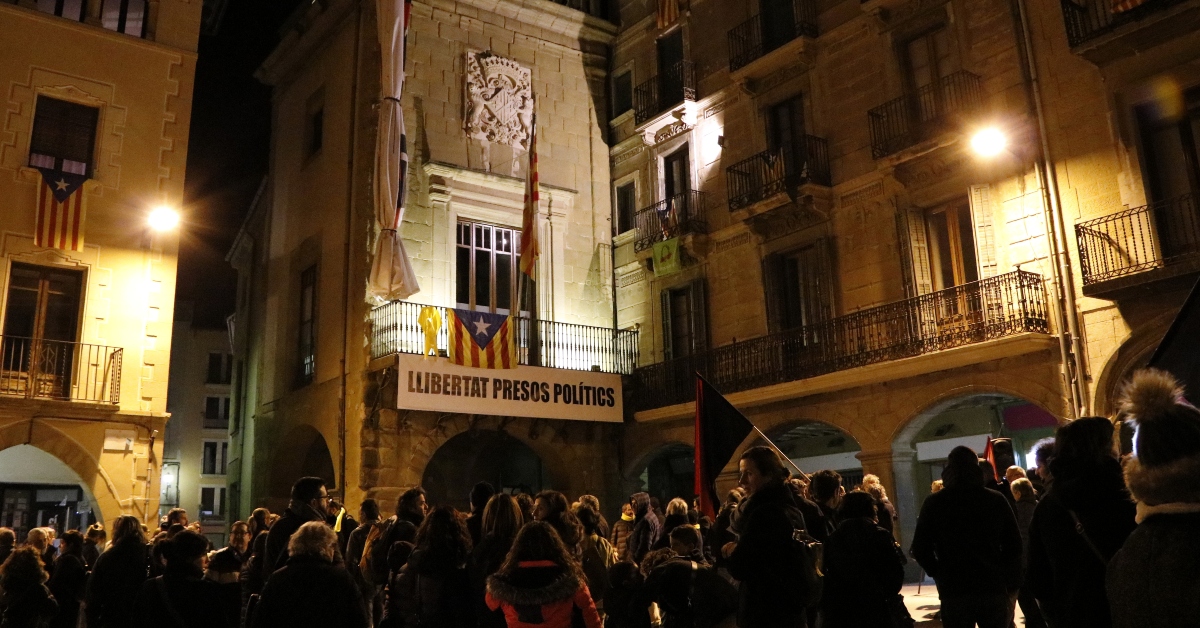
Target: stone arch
666 470
83 462
483 455
816 445
1131 355
302 451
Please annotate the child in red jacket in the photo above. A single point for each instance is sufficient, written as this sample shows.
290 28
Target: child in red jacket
540 585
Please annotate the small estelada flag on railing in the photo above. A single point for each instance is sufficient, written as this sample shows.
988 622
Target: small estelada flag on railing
482 339
62 208
1121 6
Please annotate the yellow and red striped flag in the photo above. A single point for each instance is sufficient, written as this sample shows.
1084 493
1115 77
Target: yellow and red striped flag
668 13
529 240
482 339
61 211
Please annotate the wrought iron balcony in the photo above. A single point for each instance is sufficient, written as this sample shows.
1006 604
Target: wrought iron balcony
1088 19
1139 239
679 215
123 16
915 117
773 172
674 85
984 310
756 38
395 329
35 368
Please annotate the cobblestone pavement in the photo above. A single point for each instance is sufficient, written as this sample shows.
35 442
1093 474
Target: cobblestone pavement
922 606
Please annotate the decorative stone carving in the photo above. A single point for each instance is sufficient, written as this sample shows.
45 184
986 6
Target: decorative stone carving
499 97
674 129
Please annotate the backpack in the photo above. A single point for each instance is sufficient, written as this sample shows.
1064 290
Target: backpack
596 557
804 559
373 565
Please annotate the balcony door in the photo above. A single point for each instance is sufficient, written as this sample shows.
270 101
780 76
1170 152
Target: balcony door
929 59
785 130
1172 148
677 182
685 321
488 261
41 326
778 23
670 69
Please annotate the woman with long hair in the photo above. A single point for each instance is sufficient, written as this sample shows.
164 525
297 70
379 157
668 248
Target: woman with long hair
432 589
117 576
551 507
540 585
69 580
26 602
501 521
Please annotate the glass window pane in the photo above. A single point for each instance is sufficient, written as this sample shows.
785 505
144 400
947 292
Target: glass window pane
941 261
966 238
504 276
483 280
462 281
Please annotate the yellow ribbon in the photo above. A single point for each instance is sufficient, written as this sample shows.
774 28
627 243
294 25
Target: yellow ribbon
430 321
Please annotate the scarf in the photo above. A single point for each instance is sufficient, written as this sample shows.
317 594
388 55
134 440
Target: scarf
1145 511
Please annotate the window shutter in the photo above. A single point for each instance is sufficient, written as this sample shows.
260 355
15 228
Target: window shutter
668 350
823 307
772 271
985 231
914 251
699 298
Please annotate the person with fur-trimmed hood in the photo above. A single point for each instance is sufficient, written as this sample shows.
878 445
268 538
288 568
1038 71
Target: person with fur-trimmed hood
1152 580
540 585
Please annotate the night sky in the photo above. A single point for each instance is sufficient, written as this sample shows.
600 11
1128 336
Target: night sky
227 153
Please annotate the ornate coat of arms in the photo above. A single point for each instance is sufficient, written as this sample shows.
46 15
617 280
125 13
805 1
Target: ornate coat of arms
499 100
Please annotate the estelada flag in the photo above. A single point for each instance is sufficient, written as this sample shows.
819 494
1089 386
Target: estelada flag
61 210
482 339
529 240
720 430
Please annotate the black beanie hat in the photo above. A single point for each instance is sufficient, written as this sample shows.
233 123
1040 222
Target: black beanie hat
1167 426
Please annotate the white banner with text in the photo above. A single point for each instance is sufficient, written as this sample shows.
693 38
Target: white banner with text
436 385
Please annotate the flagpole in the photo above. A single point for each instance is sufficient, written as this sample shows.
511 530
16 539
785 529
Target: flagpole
803 475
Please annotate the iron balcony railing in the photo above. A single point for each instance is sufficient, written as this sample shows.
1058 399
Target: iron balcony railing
912 118
1138 239
122 16
760 35
673 85
36 368
395 328
777 171
996 307
679 215
1088 19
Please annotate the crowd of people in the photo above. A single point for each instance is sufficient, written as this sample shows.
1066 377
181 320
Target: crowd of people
1085 538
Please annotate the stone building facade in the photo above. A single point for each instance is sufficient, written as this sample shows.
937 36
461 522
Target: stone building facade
97 94
856 277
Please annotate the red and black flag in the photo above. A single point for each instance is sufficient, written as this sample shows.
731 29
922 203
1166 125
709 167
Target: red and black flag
1178 349
720 430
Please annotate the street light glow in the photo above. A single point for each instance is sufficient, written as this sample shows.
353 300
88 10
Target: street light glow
163 218
989 142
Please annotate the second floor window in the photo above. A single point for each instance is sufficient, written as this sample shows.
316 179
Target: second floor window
219 366
626 206
308 327
799 286
622 87
785 132
212 502
1171 146
212 459
216 413
43 303
64 136
685 320
950 237
487 267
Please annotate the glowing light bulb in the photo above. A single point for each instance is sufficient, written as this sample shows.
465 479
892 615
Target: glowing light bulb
989 142
163 218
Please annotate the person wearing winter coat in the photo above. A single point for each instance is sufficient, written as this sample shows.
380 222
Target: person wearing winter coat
645 528
25 602
765 523
540 585
93 544
1152 579
677 515
310 590
432 590
69 580
181 597
501 521
1081 521
626 605
621 530
1025 498
596 555
863 567
593 502
309 501
551 507
117 576
967 540
8 539
689 593
480 494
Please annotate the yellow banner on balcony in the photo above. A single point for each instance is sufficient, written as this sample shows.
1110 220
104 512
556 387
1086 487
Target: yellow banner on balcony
666 257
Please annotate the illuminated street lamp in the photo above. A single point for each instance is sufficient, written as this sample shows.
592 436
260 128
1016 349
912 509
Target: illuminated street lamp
989 142
163 218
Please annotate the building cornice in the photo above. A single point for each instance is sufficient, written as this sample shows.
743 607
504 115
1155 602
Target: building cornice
547 15
98 32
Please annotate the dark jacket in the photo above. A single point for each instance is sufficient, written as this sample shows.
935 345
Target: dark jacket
251 577
115 581
670 523
5 550
1065 574
541 594
32 607
296 515
310 591
475 526
764 525
67 585
646 529
619 537
91 551
430 593
486 558
1153 580
864 571
626 605
182 598
967 540
690 594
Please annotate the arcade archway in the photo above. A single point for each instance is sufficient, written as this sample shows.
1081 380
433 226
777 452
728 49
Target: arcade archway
665 473
302 452
39 490
492 456
814 446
